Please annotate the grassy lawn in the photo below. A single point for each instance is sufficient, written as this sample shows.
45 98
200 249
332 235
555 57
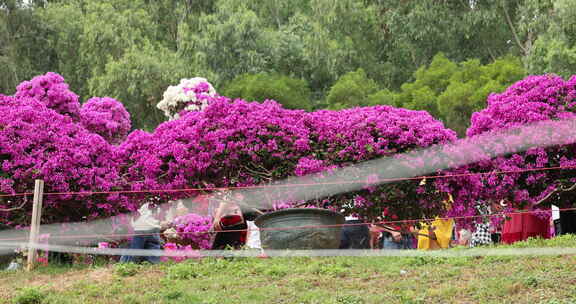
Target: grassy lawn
490 279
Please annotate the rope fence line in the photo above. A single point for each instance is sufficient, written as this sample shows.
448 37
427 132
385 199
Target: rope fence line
296 185
409 221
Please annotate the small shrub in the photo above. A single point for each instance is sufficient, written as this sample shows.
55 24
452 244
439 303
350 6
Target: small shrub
29 295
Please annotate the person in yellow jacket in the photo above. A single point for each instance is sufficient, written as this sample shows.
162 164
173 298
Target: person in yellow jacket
436 235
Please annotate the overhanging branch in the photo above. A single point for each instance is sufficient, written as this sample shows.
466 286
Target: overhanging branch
555 191
15 208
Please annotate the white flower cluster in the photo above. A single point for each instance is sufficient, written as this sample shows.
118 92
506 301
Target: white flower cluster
184 96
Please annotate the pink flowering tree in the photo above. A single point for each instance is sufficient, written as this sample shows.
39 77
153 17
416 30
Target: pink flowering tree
234 143
51 90
44 134
106 117
547 101
38 143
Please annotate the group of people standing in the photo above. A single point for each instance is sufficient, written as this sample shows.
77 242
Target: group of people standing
435 235
491 226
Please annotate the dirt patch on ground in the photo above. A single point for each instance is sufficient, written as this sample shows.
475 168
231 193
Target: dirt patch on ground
57 282
67 280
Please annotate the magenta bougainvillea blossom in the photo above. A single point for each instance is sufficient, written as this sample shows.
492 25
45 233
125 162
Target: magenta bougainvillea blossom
106 117
237 143
45 134
51 90
39 143
193 230
178 253
547 100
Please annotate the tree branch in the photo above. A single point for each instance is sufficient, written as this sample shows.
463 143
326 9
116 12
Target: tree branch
555 191
15 208
511 25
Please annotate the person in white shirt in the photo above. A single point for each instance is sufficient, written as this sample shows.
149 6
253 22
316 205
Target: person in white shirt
146 234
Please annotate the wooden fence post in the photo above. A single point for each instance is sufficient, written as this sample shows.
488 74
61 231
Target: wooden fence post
35 223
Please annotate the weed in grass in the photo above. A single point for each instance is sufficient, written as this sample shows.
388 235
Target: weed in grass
531 282
349 300
277 271
329 270
93 290
497 259
130 299
172 294
183 271
29 295
566 240
345 264
410 299
150 296
300 283
556 301
459 261
126 269
232 267
424 260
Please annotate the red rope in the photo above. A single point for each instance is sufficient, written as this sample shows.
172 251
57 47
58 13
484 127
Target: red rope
293 185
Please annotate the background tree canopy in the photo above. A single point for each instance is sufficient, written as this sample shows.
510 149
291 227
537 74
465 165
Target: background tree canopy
290 92
328 53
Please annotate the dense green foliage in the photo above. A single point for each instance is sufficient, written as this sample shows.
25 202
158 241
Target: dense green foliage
133 49
292 93
453 91
351 90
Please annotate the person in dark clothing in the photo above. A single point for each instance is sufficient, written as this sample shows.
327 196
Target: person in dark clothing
355 235
567 222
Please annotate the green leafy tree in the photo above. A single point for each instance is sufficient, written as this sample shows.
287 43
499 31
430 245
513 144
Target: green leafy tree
324 40
318 41
24 49
422 94
231 41
553 49
470 86
452 91
8 68
65 23
292 93
351 90
110 28
418 30
139 78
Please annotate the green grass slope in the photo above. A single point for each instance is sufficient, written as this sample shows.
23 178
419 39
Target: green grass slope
485 279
